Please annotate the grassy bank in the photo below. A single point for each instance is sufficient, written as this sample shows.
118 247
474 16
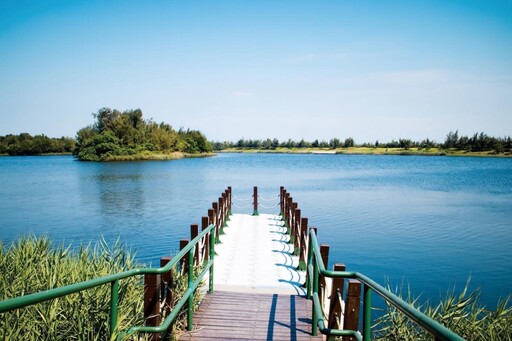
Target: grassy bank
33 264
461 312
369 151
147 155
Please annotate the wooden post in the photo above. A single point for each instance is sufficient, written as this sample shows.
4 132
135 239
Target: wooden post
226 202
303 244
230 198
215 206
294 206
222 211
166 285
183 261
206 241
194 232
152 302
296 240
211 220
334 320
255 196
289 216
309 281
285 209
324 252
352 302
281 195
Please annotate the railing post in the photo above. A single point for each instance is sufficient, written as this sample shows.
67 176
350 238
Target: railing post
114 299
194 232
190 308
255 196
352 302
367 313
223 214
336 293
303 244
216 214
314 327
211 219
288 213
293 207
183 261
281 194
166 283
230 199
296 240
324 252
206 241
152 302
226 202
310 262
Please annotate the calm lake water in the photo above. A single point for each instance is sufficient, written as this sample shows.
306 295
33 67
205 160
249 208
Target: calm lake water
431 222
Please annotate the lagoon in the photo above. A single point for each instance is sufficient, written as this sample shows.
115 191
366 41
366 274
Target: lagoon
430 222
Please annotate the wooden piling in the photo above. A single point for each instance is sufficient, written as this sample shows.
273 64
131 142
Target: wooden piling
324 252
255 202
194 232
303 253
296 229
152 315
205 222
183 261
352 302
335 309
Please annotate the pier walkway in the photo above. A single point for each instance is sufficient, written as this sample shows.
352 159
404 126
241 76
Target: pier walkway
255 256
259 293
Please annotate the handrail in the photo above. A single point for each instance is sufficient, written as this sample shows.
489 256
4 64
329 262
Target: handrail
27 300
316 268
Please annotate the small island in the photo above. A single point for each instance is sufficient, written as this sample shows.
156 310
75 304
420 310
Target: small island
126 136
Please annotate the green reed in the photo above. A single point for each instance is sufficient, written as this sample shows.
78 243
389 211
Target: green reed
461 312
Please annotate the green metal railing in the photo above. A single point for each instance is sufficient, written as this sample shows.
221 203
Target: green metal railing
113 280
316 268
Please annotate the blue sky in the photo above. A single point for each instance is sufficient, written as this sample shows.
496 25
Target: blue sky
255 69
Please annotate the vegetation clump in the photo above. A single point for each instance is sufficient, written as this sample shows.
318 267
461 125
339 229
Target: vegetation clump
32 265
127 136
462 313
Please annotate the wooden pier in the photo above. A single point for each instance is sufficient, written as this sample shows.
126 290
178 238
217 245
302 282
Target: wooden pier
259 293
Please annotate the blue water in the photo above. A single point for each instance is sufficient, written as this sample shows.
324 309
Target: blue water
431 222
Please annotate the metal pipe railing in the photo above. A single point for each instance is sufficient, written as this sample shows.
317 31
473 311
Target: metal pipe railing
316 268
27 300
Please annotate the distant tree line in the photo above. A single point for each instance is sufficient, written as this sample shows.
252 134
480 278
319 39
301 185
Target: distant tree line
479 142
26 144
117 133
275 143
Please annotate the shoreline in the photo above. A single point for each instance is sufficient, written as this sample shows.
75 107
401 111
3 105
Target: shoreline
144 156
368 151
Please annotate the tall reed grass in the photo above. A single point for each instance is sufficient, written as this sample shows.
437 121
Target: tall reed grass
462 313
33 264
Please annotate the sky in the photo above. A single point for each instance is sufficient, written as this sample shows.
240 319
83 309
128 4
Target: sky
370 70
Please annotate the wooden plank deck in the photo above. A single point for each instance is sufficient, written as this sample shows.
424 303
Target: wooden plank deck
248 316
